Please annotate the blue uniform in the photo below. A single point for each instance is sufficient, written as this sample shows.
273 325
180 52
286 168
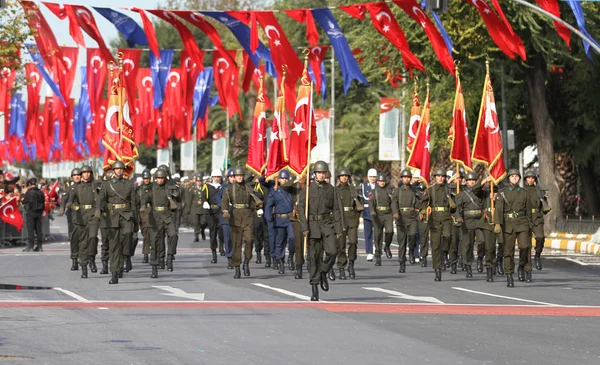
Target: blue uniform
225 225
364 193
280 202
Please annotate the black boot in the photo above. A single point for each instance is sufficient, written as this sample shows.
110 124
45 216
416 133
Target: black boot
203 235
154 272
237 273
298 274
120 273
221 249
460 262
258 258
275 265
128 265
509 281
453 269
161 263
315 293
291 263
446 261
267 261
500 266
246 267
281 265
114 279
438 275
104 267
324 283
521 273
351 272
480 264
469 271
170 263
196 238
377 260
402 268
145 260
214 257
229 264
538 260
342 273
93 267
423 261
83 272
411 257
528 277
388 251
74 266
490 275
331 274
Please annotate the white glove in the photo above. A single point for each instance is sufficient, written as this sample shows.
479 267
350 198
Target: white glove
259 212
205 205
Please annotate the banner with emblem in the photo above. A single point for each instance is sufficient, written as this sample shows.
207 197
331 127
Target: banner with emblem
219 150
188 155
389 114
322 150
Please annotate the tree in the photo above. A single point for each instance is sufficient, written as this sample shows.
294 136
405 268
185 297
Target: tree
14 32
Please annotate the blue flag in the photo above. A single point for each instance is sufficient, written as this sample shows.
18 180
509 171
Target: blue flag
16 104
242 32
83 110
202 93
39 63
578 12
131 31
160 68
348 65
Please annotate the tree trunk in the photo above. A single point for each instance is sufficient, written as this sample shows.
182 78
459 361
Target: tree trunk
589 194
535 78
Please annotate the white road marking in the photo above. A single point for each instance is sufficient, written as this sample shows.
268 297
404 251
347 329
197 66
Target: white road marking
175 292
102 308
72 295
396 294
576 261
505 297
283 291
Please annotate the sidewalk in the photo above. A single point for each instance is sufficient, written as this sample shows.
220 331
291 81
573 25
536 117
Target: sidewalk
577 243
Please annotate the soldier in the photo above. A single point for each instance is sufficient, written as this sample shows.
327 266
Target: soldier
491 230
117 198
322 226
144 188
364 194
405 213
195 209
296 189
259 225
380 206
243 203
210 198
225 227
352 209
104 226
33 201
439 204
419 187
161 221
539 207
83 196
516 208
452 248
70 209
278 210
469 205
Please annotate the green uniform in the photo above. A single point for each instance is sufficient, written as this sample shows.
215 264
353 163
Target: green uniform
70 213
83 200
469 204
405 207
241 220
161 222
537 217
419 188
140 192
380 206
454 247
486 225
516 221
195 211
352 208
296 226
439 222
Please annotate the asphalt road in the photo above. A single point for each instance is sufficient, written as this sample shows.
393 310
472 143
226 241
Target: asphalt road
199 314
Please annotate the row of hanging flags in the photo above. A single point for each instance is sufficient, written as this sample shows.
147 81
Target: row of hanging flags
166 101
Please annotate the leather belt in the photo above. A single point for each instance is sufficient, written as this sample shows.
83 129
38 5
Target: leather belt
535 210
119 206
382 209
407 209
214 207
473 212
75 207
160 209
348 209
514 215
287 215
86 206
320 217
440 209
241 206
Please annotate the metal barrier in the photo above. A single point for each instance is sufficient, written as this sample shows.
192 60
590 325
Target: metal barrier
10 237
578 225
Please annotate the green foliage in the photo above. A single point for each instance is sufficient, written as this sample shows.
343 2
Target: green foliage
14 32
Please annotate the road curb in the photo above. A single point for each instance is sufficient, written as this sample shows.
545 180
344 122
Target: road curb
576 246
571 236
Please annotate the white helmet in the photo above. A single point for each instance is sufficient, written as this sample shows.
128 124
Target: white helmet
372 172
216 172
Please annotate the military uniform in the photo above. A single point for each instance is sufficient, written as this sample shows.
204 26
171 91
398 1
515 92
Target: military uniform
487 225
422 228
83 200
469 204
259 225
380 206
198 215
405 213
352 209
536 197
210 199
279 209
296 189
67 208
452 248
140 192
104 231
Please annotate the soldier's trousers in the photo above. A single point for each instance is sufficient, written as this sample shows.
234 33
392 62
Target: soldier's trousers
88 240
381 222
261 235
34 229
212 220
200 222
423 229
73 236
157 234
406 234
318 264
490 248
226 228
350 238
298 243
469 237
145 237
538 233
454 245
438 231
524 243
105 247
271 238
368 230
283 236
118 237
500 240
241 236
177 218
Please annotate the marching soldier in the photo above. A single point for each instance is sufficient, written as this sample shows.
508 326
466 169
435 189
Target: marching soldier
242 201
439 204
104 226
452 248
83 197
225 227
260 229
144 188
405 213
380 206
516 208
322 226
419 187
352 209
117 198
210 199
278 210
195 210
491 230
364 193
70 209
539 207
296 189
161 221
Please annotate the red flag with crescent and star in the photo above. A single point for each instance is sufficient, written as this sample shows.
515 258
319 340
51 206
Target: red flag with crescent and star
458 135
256 147
97 71
146 120
304 120
42 34
278 149
415 120
226 81
487 146
34 87
316 56
305 16
131 64
9 212
420 156
66 78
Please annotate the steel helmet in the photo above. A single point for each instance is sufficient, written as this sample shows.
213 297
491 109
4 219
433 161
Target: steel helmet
382 176
439 172
284 174
86 168
216 173
372 173
405 173
513 172
160 173
239 171
472 176
530 173
328 176
118 165
146 174
76 172
344 171
320 166
163 167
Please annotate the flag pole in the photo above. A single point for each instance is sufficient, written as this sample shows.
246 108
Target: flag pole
332 113
487 75
120 97
227 137
306 169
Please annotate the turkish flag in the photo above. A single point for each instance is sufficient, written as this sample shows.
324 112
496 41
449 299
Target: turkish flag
316 56
131 64
257 144
43 35
304 123
283 55
226 81
98 126
458 135
356 11
278 150
97 71
248 72
149 30
420 156
68 12
146 96
34 87
384 21
86 21
413 9
111 137
7 81
552 7
128 152
173 122
305 16
415 121
163 139
487 147
66 77
249 19
190 71
9 212
257 73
